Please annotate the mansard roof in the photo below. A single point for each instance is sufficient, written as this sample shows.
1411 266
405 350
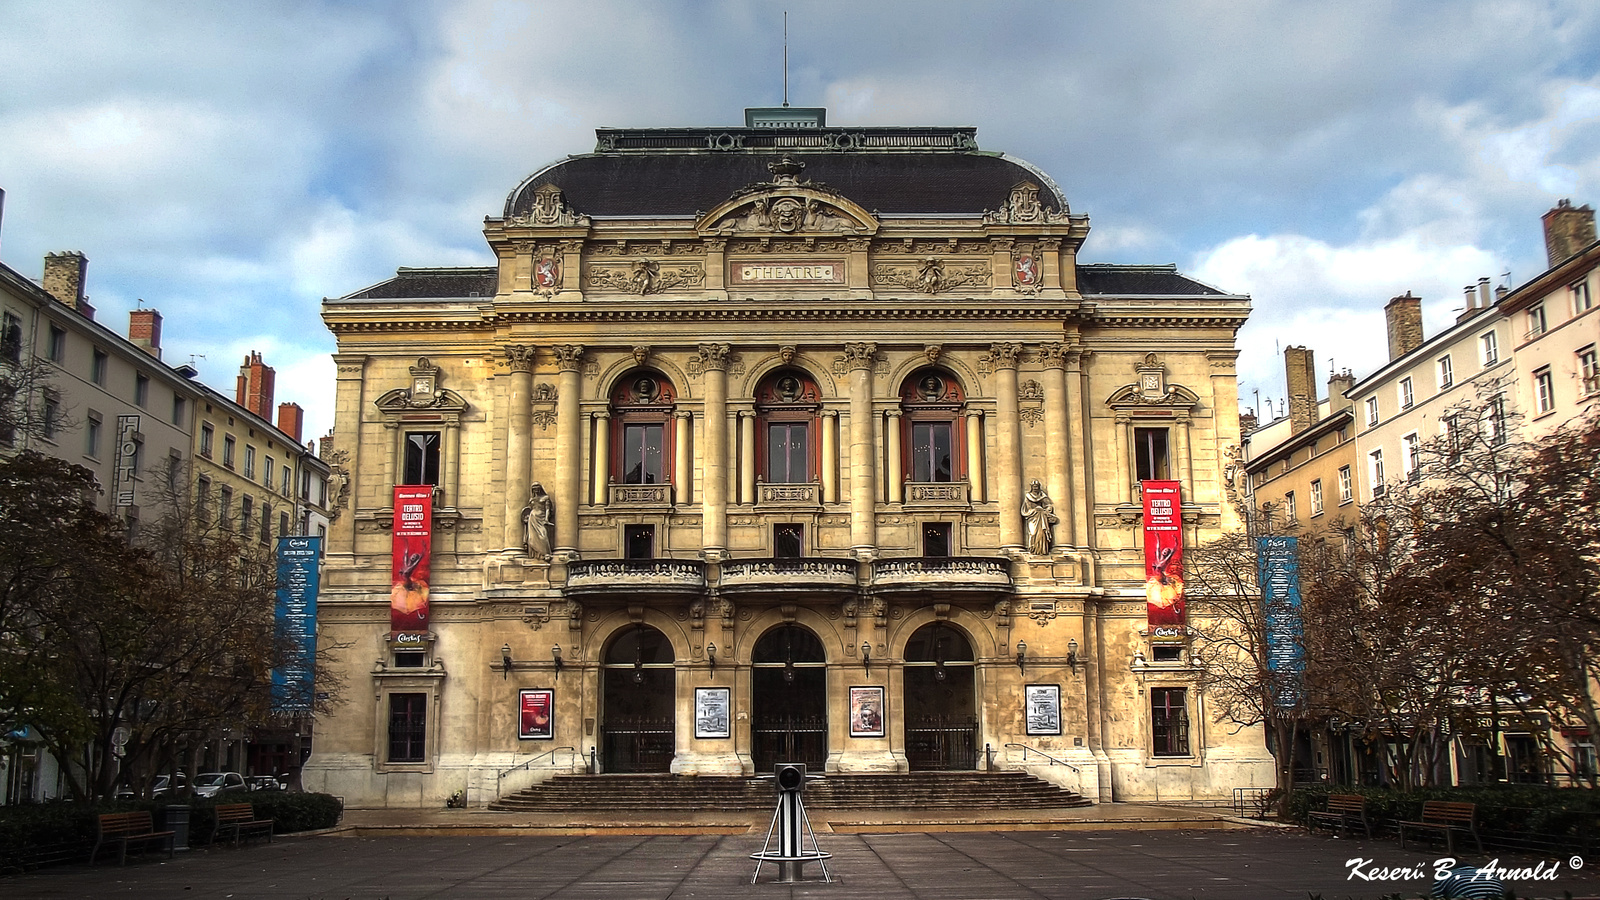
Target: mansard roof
1106 279
433 284
684 171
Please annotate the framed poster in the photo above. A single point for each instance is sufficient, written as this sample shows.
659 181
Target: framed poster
537 714
866 712
1043 708
711 712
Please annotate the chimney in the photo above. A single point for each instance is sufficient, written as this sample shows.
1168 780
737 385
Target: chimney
1484 300
254 390
290 415
1247 423
144 330
1300 366
325 447
63 280
1339 384
1567 229
1404 317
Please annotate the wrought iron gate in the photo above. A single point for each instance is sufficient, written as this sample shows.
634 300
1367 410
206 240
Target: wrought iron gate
789 739
637 744
942 743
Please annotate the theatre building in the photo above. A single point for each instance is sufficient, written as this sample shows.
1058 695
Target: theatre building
782 442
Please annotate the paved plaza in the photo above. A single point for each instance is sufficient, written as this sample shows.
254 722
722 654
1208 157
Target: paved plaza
357 864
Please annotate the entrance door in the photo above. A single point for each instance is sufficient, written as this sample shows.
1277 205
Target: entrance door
636 731
940 700
790 687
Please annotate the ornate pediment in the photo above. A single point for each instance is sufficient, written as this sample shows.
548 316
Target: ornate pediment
1022 207
423 395
788 206
549 208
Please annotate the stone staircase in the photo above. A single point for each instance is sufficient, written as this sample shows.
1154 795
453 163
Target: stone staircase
624 794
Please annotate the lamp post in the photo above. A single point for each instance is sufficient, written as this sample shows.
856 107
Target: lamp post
1072 655
1022 656
866 655
711 657
505 661
555 654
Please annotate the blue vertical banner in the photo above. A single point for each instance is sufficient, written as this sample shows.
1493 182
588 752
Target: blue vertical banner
1278 562
299 568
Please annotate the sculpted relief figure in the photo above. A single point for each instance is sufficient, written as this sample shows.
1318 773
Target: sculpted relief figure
536 519
1039 515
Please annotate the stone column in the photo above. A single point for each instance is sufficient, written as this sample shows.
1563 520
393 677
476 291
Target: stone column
519 442
714 474
452 463
347 414
1005 358
975 469
601 492
896 479
1184 463
1124 477
569 450
860 359
1057 441
1076 449
747 457
394 458
683 455
830 456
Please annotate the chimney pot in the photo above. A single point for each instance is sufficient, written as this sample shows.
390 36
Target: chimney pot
255 386
290 416
144 330
1404 318
1567 229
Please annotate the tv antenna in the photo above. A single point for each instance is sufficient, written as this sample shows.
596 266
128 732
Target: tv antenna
786 59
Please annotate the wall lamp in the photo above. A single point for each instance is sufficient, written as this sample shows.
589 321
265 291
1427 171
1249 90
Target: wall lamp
1072 655
711 658
1022 656
555 654
505 661
866 655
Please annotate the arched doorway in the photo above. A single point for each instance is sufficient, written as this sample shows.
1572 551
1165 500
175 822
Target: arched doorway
637 712
789 682
940 699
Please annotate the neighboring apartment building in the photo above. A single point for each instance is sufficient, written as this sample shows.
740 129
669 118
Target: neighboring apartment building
804 444
108 402
1411 400
1555 324
1300 469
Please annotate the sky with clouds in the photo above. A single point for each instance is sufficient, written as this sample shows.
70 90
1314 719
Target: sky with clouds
233 164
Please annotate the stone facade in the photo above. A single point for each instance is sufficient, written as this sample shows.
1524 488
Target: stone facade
731 452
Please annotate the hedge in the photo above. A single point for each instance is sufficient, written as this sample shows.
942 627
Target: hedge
32 835
1510 815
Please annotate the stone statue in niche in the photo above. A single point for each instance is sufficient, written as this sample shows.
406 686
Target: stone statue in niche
536 522
1039 515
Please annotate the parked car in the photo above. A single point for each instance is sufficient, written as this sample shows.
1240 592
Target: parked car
157 788
210 784
265 783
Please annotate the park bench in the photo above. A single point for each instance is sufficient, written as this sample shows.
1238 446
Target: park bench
1446 818
1344 811
126 828
240 818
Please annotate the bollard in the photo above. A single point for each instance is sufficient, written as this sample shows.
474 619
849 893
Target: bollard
791 824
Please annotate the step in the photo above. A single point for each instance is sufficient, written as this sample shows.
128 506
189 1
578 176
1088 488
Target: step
917 790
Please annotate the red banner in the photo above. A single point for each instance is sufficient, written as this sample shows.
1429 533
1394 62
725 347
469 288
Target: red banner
1163 560
413 546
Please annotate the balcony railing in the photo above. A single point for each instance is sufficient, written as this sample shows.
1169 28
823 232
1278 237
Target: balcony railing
805 574
784 494
936 493
636 576
942 573
641 495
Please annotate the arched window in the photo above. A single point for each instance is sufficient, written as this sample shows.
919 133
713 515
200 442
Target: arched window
787 402
642 442
931 426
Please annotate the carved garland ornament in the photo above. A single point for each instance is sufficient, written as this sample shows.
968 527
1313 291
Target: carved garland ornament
646 276
931 276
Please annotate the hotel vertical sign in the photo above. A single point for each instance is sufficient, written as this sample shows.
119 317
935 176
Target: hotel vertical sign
127 471
1163 561
413 550
295 616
